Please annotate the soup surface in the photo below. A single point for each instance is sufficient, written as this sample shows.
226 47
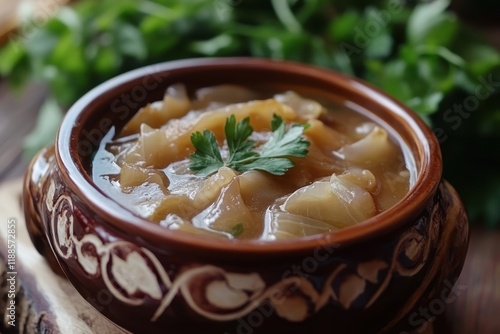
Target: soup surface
172 164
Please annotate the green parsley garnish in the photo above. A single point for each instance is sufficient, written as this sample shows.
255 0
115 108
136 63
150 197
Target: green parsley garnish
272 157
237 230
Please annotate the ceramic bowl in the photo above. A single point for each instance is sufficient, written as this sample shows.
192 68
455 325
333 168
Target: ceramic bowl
371 277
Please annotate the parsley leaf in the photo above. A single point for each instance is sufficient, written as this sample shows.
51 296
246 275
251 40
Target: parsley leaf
281 141
207 159
237 230
240 147
272 157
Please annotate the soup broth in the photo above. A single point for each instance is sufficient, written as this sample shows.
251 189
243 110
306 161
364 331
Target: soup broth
352 171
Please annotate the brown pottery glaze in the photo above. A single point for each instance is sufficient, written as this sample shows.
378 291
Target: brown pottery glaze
369 278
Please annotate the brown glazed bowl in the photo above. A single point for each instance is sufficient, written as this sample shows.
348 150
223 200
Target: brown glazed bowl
373 277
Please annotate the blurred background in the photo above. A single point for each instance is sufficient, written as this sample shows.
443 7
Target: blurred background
441 58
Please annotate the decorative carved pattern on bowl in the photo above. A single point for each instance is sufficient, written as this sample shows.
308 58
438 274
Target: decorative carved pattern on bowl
133 274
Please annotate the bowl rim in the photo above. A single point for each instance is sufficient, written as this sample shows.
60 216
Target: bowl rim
408 208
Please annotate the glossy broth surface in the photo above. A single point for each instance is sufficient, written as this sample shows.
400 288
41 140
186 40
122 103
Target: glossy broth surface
354 168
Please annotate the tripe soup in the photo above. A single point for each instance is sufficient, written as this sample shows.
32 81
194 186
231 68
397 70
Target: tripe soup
352 168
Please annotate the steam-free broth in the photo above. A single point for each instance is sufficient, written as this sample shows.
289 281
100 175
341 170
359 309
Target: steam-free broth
352 171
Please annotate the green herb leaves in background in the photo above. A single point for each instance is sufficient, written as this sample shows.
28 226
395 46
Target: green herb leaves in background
420 52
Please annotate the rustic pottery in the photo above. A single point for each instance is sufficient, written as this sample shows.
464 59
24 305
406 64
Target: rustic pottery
369 278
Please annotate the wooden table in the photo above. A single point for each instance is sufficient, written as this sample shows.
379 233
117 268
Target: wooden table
475 310
44 302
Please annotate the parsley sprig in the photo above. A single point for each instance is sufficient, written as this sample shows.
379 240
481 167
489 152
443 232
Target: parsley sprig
272 157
